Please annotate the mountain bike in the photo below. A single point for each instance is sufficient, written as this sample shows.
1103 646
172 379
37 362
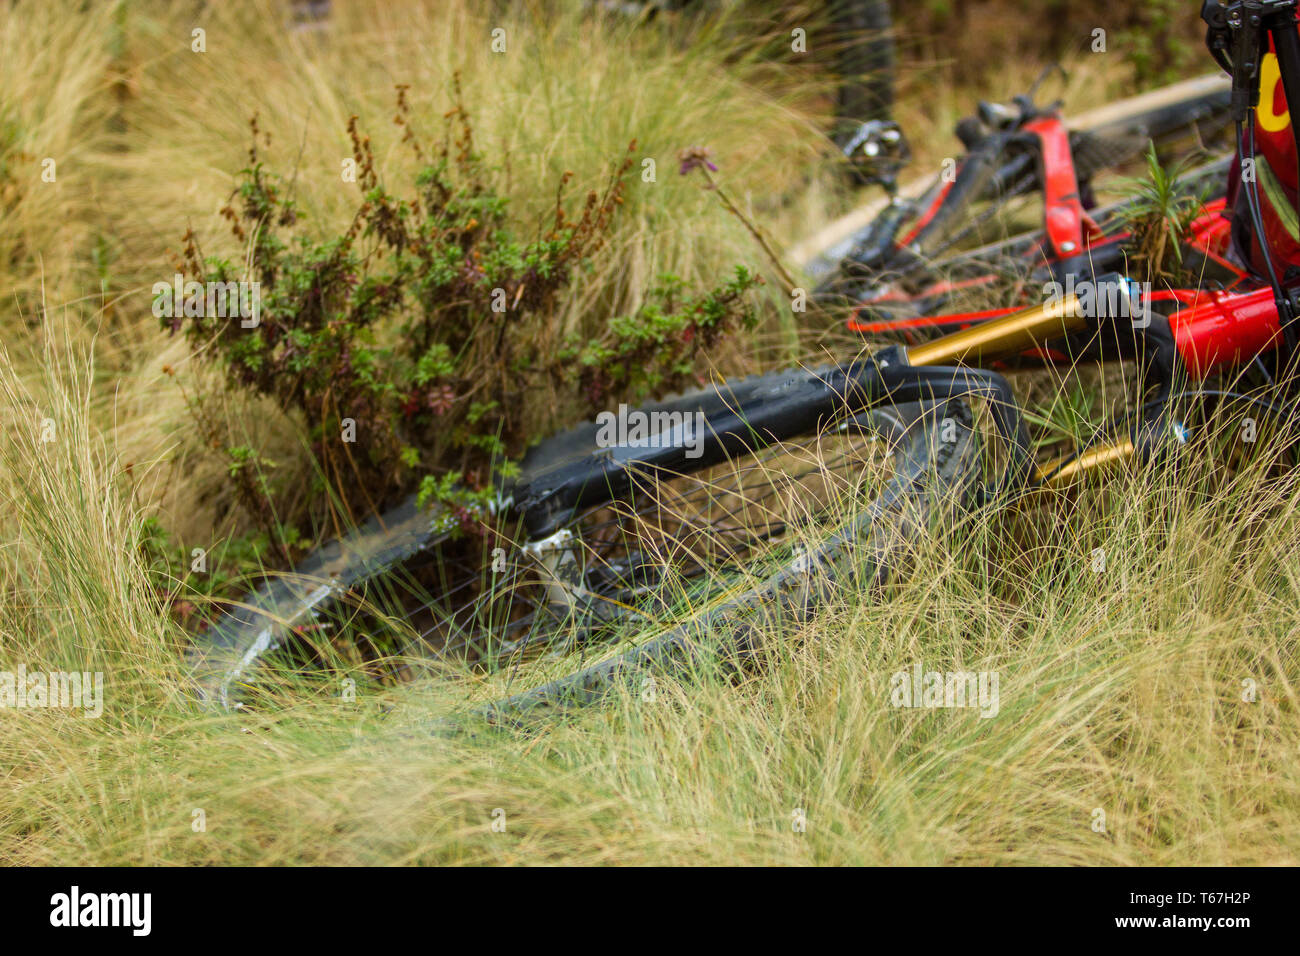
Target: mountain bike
683 533
965 228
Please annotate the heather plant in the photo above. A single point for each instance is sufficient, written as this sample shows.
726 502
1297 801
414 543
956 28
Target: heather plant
410 345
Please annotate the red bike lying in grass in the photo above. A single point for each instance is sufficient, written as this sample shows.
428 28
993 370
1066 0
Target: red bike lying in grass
689 531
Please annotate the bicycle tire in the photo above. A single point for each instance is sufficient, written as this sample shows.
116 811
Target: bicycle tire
262 620
228 657
936 476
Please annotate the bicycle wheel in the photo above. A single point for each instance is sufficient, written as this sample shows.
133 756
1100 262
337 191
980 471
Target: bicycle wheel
547 617
735 611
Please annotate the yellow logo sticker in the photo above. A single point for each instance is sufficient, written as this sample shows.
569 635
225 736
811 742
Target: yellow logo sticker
1269 76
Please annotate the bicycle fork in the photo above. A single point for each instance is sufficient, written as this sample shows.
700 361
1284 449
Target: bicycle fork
948 367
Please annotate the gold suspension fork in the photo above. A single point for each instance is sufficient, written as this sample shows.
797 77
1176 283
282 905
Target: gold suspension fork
1069 468
1009 335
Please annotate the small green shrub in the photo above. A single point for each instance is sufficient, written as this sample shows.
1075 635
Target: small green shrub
431 323
1160 216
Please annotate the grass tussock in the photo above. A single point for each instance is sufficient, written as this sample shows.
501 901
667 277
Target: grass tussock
1160 691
